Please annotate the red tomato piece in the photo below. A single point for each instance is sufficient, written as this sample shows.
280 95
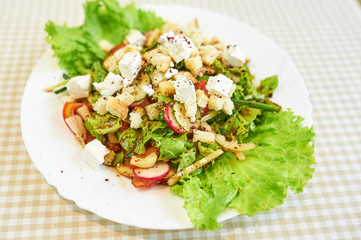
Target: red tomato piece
125 126
114 146
144 184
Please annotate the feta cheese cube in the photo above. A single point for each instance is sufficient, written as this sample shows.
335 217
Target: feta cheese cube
135 37
79 86
100 106
148 89
181 48
167 37
233 55
129 67
219 85
105 45
170 72
111 84
184 89
93 153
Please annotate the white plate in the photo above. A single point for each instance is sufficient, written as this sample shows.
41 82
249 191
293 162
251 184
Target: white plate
56 154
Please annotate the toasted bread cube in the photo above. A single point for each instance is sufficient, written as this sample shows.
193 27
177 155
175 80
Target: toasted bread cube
202 98
126 98
216 102
166 88
117 107
100 106
194 64
161 62
209 54
157 77
108 159
228 106
151 37
168 26
110 63
152 111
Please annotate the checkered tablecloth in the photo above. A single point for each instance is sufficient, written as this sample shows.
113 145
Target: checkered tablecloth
323 37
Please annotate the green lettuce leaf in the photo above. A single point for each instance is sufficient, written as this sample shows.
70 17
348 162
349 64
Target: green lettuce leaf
282 159
129 139
103 124
76 48
171 148
187 158
268 85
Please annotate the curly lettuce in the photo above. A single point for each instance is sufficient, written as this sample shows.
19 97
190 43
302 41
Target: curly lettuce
282 159
76 48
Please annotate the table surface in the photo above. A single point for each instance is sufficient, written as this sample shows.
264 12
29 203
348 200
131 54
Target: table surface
322 37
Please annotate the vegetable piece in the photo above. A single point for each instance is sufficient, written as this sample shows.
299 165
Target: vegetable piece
116 48
268 85
77 126
69 109
258 105
124 170
144 183
83 112
144 162
137 103
179 113
158 171
170 120
176 177
233 146
209 116
138 84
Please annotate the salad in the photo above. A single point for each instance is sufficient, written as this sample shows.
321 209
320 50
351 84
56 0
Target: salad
165 105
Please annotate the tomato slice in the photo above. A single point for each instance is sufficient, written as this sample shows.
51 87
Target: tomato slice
144 184
69 109
116 48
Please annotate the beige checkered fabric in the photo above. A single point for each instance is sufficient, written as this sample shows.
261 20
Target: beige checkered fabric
324 39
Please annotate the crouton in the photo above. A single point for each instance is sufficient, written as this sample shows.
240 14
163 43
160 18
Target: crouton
108 159
151 37
126 98
202 98
161 62
152 111
216 102
117 107
191 110
139 110
203 136
185 75
193 64
166 88
209 54
157 77
100 106
110 63
228 106
168 26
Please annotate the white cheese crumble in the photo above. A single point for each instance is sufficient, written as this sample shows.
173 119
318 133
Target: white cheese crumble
167 37
111 84
93 153
170 72
181 48
79 86
219 85
148 89
129 67
233 55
